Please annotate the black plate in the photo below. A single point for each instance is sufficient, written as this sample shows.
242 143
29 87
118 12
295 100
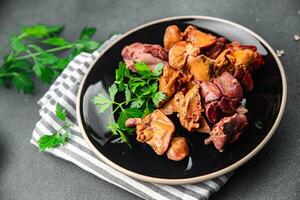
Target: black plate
265 105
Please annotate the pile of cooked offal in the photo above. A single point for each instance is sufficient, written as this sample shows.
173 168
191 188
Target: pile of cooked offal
204 78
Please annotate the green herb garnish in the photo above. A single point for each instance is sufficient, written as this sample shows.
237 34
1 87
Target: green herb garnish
61 136
33 52
140 93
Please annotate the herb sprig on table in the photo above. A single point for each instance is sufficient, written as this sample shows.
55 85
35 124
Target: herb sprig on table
140 93
61 136
33 52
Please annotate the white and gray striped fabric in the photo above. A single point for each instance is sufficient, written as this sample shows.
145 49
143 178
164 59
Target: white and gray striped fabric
64 91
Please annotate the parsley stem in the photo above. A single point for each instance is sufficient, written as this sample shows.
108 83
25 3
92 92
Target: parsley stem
69 46
6 74
111 114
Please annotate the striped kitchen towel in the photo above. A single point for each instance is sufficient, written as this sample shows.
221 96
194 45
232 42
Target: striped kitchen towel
64 91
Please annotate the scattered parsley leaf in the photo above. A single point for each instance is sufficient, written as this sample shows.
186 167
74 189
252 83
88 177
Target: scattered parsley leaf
112 90
102 102
134 85
22 81
143 69
120 73
126 114
158 69
56 41
158 97
25 48
87 33
50 141
17 44
87 45
137 103
116 130
61 136
147 111
41 30
127 94
60 112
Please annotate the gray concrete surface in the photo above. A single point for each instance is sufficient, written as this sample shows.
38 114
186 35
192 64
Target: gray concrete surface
27 174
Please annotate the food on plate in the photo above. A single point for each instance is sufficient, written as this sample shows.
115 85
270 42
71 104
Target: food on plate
190 108
150 54
155 129
172 35
199 38
179 149
227 130
197 77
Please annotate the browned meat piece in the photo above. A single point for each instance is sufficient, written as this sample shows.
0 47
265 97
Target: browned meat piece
170 106
155 129
209 92
177 55
238 60
186 80
151 54
173 104
172 35
190 109
216 49
229 86
243 58
199 38
179 52
199 67
247 82
178 149
229 105
223 63
168 82
213 111
227 131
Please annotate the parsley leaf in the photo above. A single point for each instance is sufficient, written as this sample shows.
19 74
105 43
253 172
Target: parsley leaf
136 84
41 30
127 94
137 103
61 136
56 41
51 141
22 82
102 102
17 44
143 69
158 97
120 73
116 130
158 69
112 90
87 33
60 112
126 114
29 47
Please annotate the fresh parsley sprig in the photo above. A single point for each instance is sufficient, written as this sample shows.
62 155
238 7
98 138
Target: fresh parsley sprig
33 52
140 96
61 136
